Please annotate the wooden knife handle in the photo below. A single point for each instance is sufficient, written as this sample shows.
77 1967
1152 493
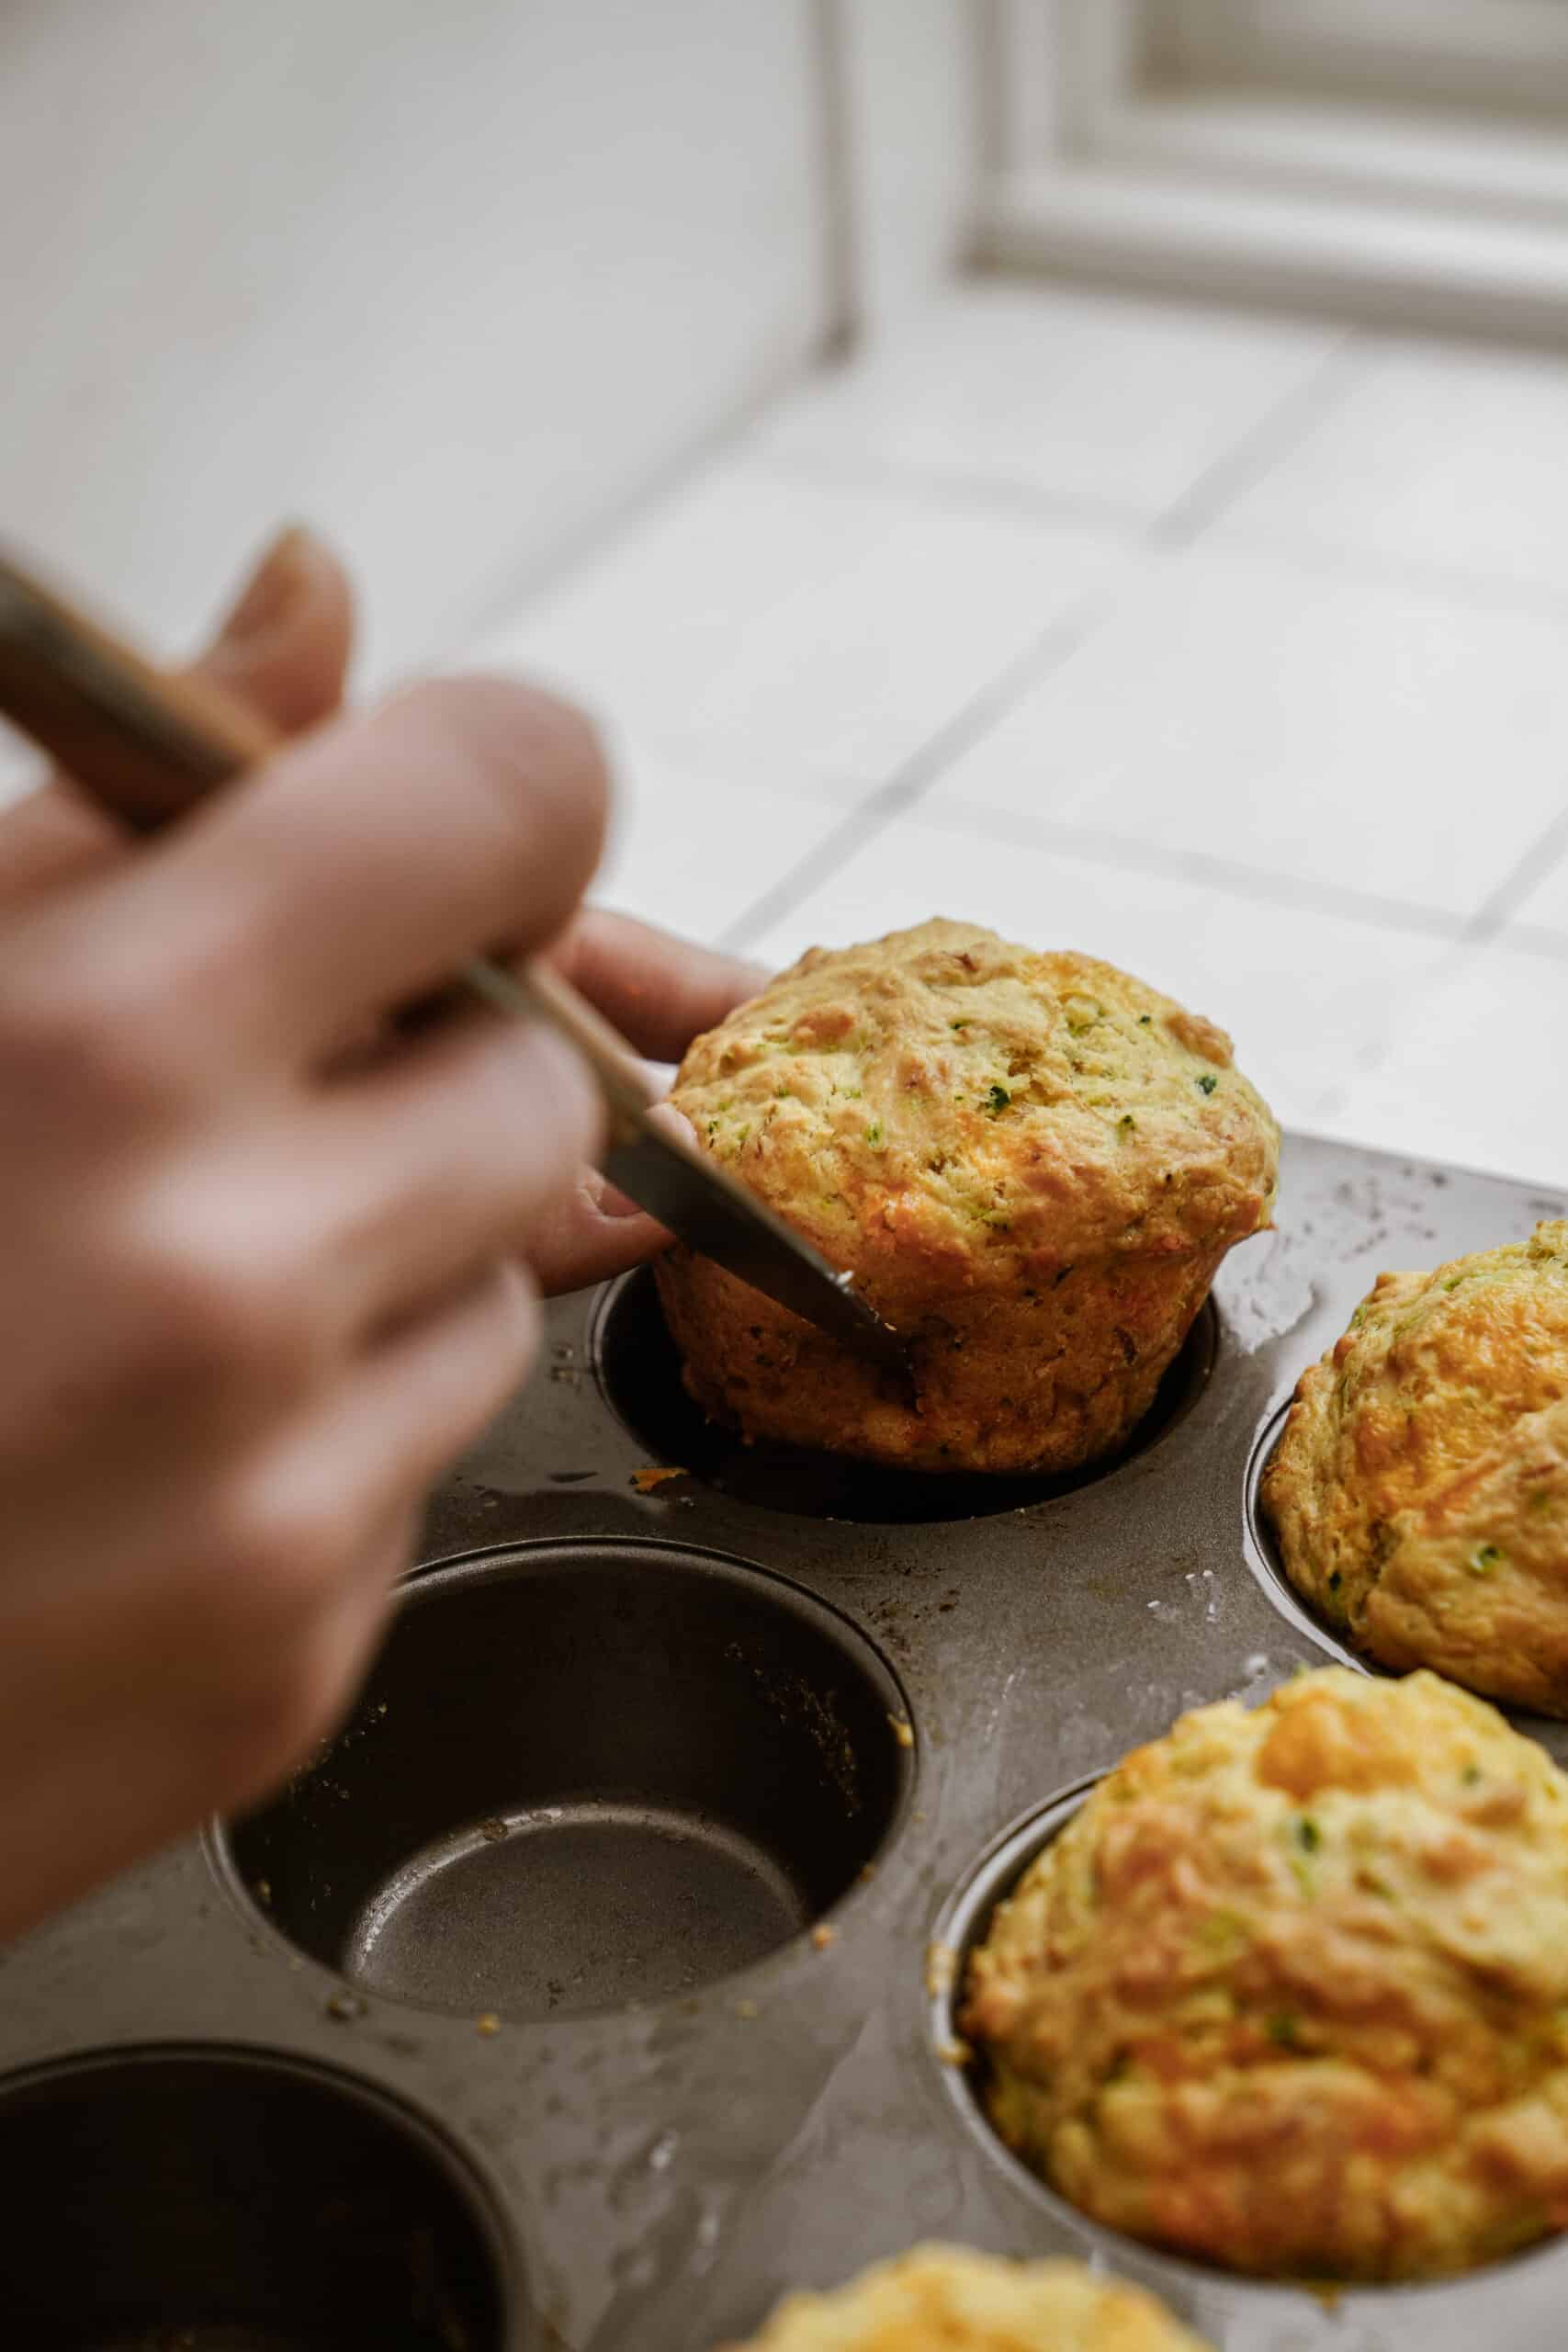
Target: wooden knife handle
146 744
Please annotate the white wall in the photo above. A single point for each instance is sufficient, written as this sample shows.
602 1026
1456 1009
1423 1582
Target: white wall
912 70
454 280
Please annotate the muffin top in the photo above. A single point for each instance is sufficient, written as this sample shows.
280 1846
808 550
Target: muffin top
945 2298
1420 1488
1291 1990
940 1110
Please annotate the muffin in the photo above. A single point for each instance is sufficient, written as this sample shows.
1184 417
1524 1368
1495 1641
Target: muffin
1031 1164
1420 1489
945 2298
1289 1991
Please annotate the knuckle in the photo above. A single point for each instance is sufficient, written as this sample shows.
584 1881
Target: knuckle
511 1350
520 1330
86 1043
209 1311
541 1118
480 1360
279 1558
205 1320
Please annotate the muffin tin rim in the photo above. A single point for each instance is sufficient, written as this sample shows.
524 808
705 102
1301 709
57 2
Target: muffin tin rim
1263 1558
221 1867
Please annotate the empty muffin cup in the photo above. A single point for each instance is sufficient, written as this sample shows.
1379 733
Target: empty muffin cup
640 1373
234 2200
584 1774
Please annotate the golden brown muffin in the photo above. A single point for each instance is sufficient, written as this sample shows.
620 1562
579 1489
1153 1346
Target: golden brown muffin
1031 1164
945 2298
1420 1489
1291 1990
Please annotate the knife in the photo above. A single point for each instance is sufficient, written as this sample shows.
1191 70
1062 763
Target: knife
148 746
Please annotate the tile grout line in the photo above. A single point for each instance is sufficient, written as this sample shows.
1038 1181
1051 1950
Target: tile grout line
956 486
1544 854
1365 567
1485 928
903 790
1485 591
1197 867
1276 434
1535 939
905 793
857 826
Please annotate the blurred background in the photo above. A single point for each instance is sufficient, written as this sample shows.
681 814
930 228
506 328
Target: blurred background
1096 467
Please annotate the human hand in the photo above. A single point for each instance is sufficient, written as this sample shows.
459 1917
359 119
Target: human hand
285 650
258 1291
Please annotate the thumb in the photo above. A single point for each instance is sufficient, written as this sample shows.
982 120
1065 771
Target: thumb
284 646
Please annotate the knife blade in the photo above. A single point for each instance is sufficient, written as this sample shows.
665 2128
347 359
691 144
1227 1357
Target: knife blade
149 746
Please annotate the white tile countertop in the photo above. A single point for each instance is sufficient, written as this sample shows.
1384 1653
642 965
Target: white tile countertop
1233 649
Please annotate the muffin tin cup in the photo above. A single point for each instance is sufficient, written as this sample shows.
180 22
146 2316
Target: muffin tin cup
217 2200
592 1904
638 1370
583 1775
1238 2308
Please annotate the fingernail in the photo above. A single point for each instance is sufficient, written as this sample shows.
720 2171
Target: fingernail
604 1198
279 573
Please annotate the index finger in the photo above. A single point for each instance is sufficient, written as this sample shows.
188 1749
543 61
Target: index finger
361 868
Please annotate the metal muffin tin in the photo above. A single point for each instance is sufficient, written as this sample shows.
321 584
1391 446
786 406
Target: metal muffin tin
582 1992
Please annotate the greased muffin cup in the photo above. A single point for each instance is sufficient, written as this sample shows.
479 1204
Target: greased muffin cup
1032 1164
1290 1993
946 2299
1419 1492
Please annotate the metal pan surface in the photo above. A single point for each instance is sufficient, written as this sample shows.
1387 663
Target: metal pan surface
621 1881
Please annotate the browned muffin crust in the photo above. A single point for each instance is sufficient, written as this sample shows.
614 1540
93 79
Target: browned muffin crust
947 2299
1420 1489
1031 1163
1291 1990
